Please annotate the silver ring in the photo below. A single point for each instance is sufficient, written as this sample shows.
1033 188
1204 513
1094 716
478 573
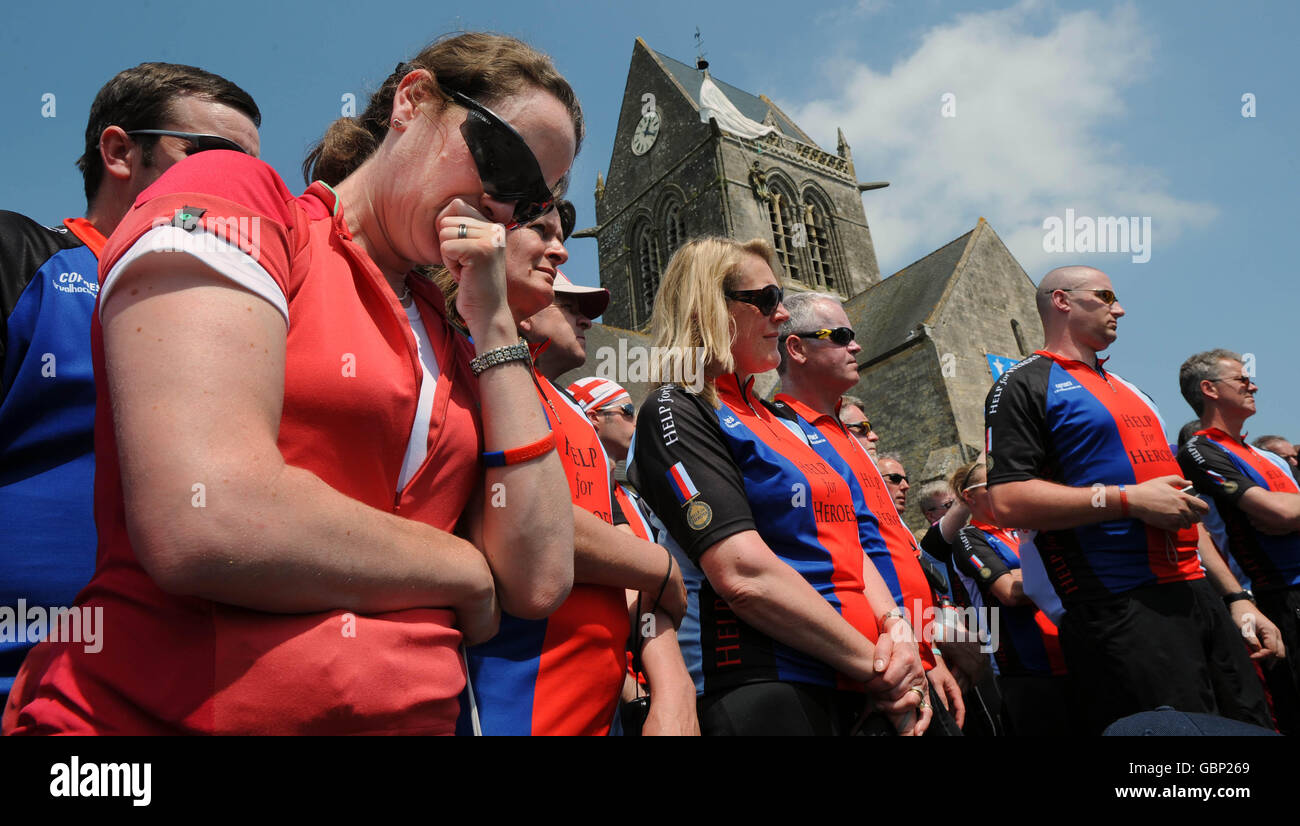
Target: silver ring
464 231
920 692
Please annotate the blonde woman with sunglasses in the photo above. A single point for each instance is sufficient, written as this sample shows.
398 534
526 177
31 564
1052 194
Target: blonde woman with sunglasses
780 634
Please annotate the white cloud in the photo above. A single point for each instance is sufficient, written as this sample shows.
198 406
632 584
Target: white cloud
1036 90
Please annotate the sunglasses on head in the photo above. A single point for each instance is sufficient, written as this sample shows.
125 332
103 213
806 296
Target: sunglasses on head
862 428
198 142
766 299
626 410
840 335
507 167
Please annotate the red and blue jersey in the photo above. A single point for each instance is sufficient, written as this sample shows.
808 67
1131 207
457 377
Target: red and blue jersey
1028 643
1064 421
709 473
888 543
48 285
561 675
1224 468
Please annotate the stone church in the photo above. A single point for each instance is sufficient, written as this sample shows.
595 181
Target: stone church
694 155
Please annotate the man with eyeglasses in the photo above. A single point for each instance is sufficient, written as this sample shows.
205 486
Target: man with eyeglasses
1258 500
853 416
141 122
1080 456
818 363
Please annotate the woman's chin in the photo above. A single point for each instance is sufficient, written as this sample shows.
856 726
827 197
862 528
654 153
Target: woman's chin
528 301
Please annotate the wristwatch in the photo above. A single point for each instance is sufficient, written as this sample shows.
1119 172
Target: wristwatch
1228 599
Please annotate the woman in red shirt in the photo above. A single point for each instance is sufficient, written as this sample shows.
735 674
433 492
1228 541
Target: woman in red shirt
289 432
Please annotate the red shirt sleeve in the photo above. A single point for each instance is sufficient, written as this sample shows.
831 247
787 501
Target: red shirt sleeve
235 197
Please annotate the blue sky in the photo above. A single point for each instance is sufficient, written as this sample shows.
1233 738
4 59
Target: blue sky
1108 109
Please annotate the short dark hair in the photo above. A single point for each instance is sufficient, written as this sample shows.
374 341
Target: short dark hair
1197 369
141 98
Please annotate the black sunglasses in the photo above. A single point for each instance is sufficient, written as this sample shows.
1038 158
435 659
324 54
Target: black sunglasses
627 410
198 142
507 167
766 299
840 335
895 478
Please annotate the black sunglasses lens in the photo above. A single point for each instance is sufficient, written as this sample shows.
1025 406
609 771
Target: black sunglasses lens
507 167
842 335
203 143
768 299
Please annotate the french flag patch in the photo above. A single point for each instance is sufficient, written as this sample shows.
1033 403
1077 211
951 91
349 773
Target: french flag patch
683 487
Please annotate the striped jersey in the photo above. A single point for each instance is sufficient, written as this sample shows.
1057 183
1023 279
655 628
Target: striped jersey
560 675
1223 469
1064 421
888 543
709 474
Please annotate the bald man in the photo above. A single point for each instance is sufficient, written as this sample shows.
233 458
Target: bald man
1080 455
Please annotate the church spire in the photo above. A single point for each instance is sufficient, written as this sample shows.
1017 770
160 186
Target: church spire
842 149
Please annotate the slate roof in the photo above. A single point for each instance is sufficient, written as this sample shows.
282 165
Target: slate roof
755 108
887 313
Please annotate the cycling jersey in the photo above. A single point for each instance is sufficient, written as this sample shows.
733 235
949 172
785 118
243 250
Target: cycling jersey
1054 418
1224 468
709 473
48 284
560 675
887 541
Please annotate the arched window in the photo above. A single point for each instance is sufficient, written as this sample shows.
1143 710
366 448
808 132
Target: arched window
674 228
648 266
818 232
787 237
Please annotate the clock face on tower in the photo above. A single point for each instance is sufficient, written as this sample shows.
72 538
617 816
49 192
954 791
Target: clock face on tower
647 130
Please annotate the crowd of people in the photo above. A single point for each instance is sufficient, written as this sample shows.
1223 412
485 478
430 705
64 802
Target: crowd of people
308 458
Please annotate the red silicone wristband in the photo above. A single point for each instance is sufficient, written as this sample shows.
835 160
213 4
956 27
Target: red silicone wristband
516 455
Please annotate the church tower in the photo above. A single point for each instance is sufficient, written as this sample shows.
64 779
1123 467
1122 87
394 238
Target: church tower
696 156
